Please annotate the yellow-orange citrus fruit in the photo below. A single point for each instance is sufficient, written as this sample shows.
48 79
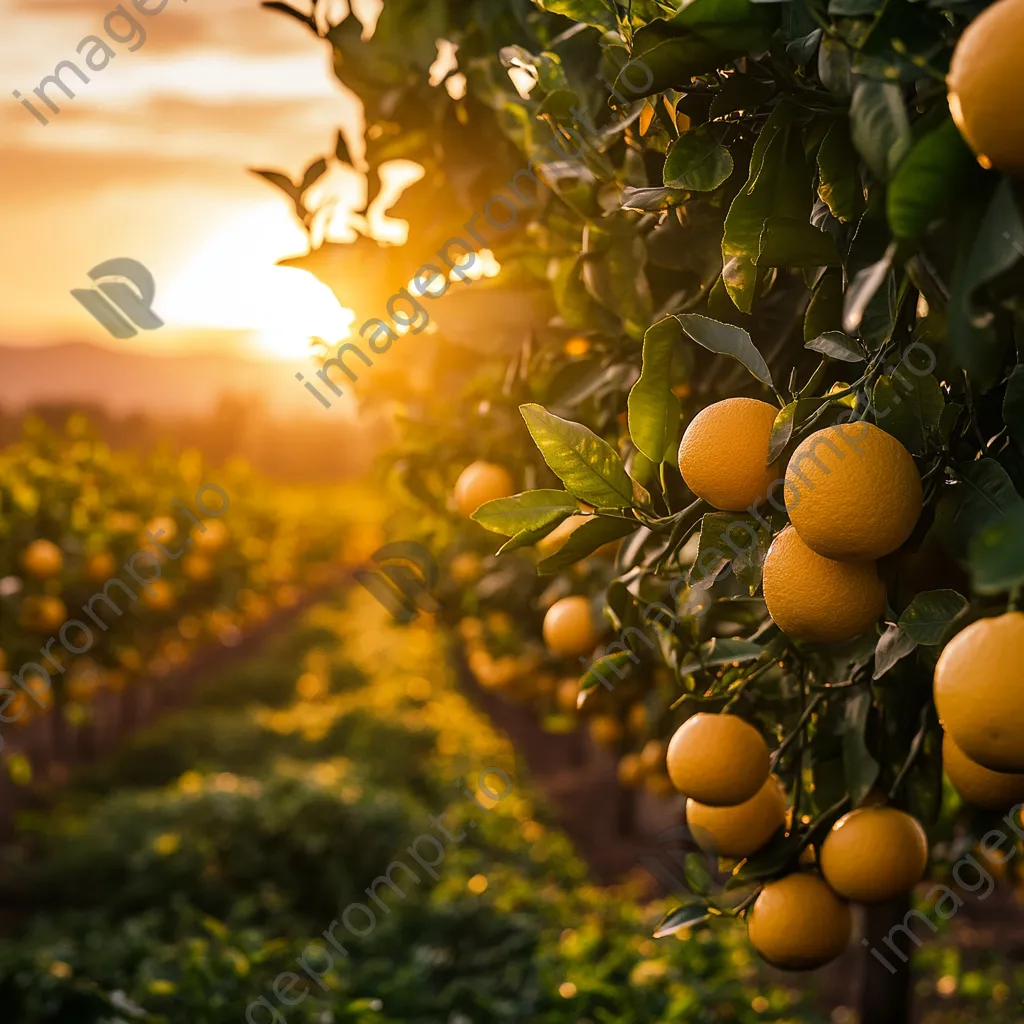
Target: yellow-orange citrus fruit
798 923
652 757
659 786
42 559
42 614
465 567
569 629
852 492
158 595
986 86
741 830
559 535
481 482
814 598
630 771
566 694
724 453
995 791
605 730
212 535
100 566
196 567
873 854
717 759
979 691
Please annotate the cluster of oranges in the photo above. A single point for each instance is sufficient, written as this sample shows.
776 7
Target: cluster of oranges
736 805
853 495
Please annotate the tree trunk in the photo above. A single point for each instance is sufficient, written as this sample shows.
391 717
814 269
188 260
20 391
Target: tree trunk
885 995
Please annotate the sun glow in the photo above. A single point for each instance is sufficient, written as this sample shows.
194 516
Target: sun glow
233 284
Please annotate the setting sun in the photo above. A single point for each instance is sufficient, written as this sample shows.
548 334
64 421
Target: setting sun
232 283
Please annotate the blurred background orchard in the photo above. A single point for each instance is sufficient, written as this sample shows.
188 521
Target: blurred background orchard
251 739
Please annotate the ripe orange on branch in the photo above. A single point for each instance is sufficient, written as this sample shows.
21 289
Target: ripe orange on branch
986 86
719 760
723 456
853 492
874 853
42 559
995 791
741 830
819 599
569 629
979 691
481 482
799 923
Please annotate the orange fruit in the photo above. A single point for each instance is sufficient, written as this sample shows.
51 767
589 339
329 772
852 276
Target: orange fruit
995 791
874 854
818 599
481 482
42 614
986 87
100 566
158 595
743 829
630 771
196 567
211 536
852 492
717 759
42 559
979 691
566 695
723 455
569 629
798 923
605 730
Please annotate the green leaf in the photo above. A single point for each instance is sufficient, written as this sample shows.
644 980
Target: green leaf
996 554
599 13
837 345
697 160
653 408
839 185
1013 406
853 8
987 495
863 288
880 126
722 651
704 36
527 511
525 539
771 860
284 183
782 431
726 340
724 536
893 645
860 769
777 185
698 878
928 180
598 672
791 242
314 172
928 618
825 310
909 408
585 540
682 917
646 200
992 252
588 466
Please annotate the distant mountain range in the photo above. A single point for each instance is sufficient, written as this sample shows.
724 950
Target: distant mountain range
160 385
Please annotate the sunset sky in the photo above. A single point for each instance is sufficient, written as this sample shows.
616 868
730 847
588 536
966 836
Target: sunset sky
149 162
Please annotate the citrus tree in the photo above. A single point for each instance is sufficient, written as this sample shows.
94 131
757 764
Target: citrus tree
757 325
